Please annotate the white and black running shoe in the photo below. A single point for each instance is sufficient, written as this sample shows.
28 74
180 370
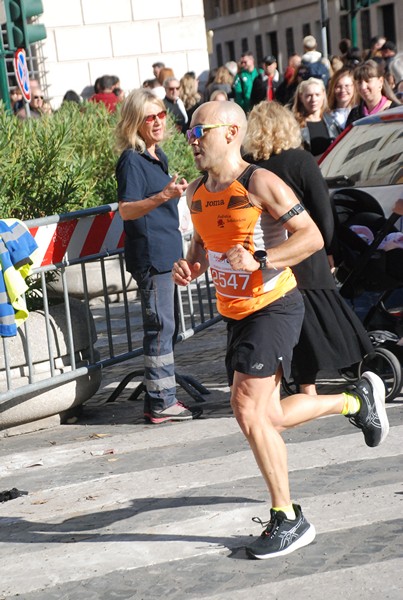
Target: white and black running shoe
281 535
371 418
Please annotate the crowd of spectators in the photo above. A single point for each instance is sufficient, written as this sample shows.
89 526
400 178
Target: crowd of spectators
324 94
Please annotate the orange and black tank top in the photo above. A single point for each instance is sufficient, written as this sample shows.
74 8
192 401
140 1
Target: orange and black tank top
226 218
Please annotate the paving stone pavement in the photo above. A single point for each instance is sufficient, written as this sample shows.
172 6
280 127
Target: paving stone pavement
120 509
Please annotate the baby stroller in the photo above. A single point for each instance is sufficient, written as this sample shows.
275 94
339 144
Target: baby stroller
370 276
371 280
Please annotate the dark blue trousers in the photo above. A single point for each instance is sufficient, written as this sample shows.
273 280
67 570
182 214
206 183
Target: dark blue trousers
160 324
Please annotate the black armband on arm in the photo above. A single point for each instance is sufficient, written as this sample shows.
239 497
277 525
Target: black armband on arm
296 210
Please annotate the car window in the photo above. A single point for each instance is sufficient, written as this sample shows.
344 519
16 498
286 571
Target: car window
368 155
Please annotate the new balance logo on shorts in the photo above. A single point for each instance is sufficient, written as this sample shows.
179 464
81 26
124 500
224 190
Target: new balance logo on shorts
257 366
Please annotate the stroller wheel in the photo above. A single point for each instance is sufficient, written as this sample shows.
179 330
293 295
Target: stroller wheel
385 364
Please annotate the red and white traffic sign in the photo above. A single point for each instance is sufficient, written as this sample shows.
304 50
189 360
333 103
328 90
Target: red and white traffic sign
21 73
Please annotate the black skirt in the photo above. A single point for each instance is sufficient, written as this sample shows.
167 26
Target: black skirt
332 336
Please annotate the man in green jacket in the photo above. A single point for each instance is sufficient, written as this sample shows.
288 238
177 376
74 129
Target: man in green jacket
244 80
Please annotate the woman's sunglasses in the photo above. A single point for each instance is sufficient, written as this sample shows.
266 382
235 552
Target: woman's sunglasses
151 118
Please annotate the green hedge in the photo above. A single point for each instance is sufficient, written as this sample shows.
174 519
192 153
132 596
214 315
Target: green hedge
66 161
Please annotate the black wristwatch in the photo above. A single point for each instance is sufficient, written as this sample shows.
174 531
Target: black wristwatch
261 257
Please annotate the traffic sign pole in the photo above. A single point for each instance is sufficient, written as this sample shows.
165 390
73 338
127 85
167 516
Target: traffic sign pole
4 92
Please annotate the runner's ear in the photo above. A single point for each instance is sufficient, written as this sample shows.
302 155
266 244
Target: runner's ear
232 132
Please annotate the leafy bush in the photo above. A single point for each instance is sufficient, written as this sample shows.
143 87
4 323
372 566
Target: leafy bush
66 161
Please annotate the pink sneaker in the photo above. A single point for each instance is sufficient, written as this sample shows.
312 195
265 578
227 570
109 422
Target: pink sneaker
176 412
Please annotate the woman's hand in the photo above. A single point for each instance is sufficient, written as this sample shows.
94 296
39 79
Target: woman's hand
174 189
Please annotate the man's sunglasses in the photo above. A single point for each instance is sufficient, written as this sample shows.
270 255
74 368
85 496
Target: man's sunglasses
197 131
151 118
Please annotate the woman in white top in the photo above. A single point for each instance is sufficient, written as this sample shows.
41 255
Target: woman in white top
342 95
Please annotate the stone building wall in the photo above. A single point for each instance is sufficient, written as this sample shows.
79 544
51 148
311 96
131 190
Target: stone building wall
90 38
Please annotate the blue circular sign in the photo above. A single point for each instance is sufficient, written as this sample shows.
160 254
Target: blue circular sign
21 73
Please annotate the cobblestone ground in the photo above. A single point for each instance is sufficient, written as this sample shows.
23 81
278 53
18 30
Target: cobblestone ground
120 509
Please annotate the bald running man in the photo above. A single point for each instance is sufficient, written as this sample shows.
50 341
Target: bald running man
242 216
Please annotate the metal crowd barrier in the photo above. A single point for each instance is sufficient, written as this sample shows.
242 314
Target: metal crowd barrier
75 249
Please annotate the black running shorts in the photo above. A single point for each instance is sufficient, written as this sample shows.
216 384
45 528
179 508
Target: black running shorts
258 344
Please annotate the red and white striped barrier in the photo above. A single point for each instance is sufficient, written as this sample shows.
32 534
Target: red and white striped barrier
78 238
88 235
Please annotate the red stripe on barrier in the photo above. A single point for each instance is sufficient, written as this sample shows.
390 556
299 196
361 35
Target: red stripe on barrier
79 238
96 234
59 242
121 242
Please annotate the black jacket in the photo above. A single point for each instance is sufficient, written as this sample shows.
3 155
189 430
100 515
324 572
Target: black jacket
299 170
259 88
332 127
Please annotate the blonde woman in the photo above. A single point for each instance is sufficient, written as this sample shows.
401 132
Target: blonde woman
374 91
148 204
188 93
342 95
332 337
310 108
222 81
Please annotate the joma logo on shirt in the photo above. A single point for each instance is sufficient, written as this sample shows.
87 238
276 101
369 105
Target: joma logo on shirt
214 203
